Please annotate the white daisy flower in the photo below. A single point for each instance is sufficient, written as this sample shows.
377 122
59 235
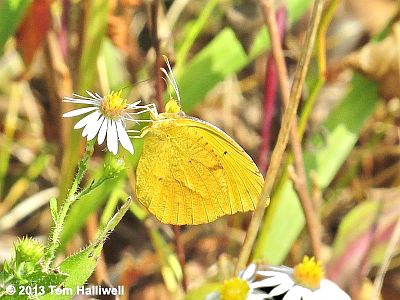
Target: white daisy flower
242 287
107 117
304 282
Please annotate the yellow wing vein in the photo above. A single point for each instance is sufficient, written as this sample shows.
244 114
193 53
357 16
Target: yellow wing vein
205 185
240 176
176 180
249 166
200 162
218 134
247 184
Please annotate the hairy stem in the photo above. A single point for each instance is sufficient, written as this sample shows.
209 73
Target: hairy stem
55 236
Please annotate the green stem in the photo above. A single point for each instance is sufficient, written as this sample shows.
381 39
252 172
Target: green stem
93 186
197 27
309 105
322 68
54 239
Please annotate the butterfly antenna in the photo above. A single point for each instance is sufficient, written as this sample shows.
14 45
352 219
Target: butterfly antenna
166 84
172 79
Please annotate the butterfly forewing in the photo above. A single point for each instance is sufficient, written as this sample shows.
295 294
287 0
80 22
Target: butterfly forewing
244 179
191 172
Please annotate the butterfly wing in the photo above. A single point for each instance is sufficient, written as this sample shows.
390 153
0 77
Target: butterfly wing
178 179
244 180
191 172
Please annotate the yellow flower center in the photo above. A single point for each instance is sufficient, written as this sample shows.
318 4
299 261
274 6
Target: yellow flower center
308 273
113 105
235 289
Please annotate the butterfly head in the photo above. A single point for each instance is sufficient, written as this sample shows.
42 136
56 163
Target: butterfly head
172 107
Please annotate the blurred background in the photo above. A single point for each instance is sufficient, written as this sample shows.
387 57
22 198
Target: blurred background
350 114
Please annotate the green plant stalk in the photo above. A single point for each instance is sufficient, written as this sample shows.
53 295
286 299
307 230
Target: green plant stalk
54 238
197 27
322 69
91 187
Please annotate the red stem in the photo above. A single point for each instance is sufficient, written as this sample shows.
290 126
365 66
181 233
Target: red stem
270 92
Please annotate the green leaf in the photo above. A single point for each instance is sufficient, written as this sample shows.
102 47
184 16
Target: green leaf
223 56
370 221
114 66
343 127
357 221
379 214
11 13
38 283
195 29
81 265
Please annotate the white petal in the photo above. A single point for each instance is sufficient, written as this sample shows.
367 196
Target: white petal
90 126
273 281
95 129
79 101
268 273
282 288
330 291
102 132
248 273
123 137
91 94
279 269
257 297
86 120
79 111
295 293
135 105
307 294
112 137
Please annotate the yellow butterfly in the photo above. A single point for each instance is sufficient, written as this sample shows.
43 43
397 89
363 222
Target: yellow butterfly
191 172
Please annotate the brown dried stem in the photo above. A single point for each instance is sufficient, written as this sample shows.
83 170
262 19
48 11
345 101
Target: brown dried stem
287 120
300 180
